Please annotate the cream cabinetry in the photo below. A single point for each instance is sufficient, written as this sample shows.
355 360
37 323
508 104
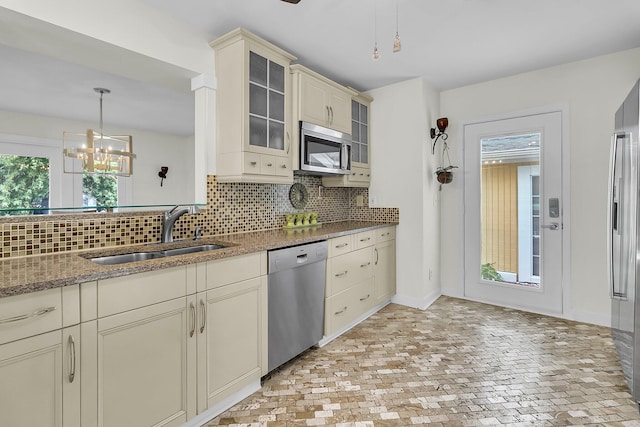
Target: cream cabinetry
321 101
384 270
360 148
137 352
39 359
253 140
231 327
163 346
349 291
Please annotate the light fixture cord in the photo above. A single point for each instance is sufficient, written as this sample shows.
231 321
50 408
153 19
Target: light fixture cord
397 18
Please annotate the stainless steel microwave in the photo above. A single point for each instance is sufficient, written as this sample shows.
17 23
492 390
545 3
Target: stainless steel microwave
324 151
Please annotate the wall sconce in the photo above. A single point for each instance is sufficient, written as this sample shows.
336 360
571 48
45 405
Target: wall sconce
163 173
442 124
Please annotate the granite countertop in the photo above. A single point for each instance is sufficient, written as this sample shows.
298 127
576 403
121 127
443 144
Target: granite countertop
37 273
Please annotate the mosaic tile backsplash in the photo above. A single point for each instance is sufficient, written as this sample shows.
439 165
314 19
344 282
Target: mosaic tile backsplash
231 208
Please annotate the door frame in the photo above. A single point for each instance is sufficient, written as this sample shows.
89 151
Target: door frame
563 109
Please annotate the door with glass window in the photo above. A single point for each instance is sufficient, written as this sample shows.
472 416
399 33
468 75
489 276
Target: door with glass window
513 212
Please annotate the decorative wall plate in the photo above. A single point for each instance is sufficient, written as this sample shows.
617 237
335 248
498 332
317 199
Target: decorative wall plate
298 195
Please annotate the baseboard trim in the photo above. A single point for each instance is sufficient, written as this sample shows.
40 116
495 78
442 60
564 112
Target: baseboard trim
419 303
223 405
589 317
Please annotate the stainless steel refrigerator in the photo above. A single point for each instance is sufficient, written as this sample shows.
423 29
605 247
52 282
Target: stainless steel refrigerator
623 240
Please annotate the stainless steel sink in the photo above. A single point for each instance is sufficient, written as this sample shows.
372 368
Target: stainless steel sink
143 256
191 249
124 258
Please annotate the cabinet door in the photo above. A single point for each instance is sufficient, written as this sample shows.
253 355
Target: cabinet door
232 339
340 110
267 83
384 270
141 364
31 381
314 107
360 133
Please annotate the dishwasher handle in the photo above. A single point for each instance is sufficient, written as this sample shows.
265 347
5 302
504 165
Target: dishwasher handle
302 258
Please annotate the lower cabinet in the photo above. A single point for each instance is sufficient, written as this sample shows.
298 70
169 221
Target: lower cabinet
232 336
162 363
138 364
39 362
361 274
384 270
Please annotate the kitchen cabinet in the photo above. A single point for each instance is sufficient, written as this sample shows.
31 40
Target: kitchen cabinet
360 148
349 290
253 140
321 101
39 360
137 353
384 268
232 327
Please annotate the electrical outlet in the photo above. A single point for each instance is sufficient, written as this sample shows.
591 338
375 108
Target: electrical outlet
373 201
360 200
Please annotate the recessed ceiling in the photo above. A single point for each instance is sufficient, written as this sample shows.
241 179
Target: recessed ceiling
451 43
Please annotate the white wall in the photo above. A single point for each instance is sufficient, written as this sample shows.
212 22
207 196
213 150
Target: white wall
402 177
118 22
592 89
152 150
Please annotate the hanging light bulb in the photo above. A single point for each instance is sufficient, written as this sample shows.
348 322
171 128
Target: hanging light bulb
376 53
397 47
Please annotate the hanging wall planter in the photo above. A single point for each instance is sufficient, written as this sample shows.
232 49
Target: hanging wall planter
444 172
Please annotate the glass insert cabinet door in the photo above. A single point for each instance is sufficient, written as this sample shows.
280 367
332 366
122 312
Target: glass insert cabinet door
359 132
266 103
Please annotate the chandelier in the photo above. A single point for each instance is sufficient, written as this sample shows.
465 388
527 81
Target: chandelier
99 153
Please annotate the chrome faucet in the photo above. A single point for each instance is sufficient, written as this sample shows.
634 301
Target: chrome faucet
169 219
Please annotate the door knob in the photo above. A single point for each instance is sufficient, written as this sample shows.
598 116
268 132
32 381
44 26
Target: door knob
552 226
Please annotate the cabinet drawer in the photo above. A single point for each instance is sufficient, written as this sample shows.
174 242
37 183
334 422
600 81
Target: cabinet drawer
22 316
346 270
225 271
385 234
364 239
341 245
251 163
283 166
267 165
138 290
360 174
346 306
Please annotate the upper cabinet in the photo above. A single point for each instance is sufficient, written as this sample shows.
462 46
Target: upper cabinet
321 101
253 138
360 149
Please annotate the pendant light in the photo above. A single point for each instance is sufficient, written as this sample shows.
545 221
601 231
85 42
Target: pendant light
99 153
397 47
376 53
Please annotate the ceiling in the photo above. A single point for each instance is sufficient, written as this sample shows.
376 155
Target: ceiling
451 43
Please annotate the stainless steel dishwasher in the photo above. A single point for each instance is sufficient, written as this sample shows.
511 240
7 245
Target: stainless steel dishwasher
296 300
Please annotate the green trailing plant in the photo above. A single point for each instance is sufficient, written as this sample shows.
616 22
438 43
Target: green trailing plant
487 272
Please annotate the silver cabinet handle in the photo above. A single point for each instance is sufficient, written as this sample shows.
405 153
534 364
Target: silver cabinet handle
331 110
552 226
344 273
376 251
72 356
36 313
328 114
337 313
366 264
203 306
341 246
284 166
365 298
365 239
253 163
192 309
269 165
